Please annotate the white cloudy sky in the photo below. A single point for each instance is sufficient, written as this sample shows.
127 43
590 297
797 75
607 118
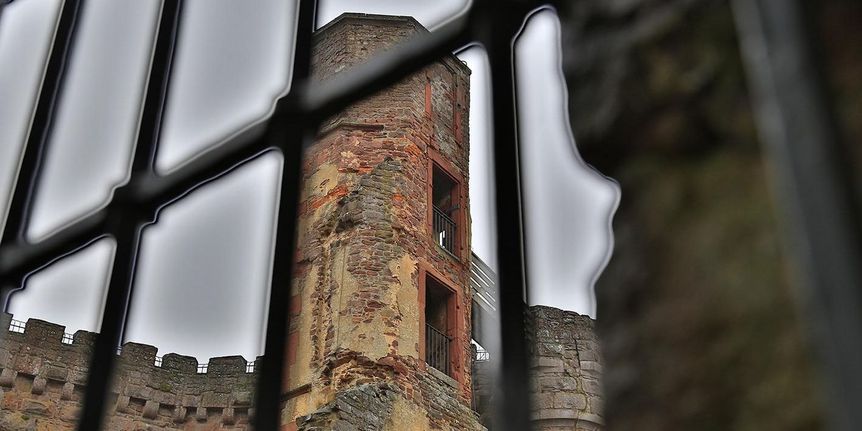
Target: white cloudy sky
204 270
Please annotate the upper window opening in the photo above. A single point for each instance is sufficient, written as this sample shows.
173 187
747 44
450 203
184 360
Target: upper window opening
445 202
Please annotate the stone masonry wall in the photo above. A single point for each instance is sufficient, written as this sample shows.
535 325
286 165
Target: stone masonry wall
566 371
365 245
43 379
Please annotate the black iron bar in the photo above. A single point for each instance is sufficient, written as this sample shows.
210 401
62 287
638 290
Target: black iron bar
496 31
811 172
110 333
2 8
30 169
437 348
291 135
155 100
19 259
444 225
128 219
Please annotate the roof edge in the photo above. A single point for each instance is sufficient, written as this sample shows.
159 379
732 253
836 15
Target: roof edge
357 16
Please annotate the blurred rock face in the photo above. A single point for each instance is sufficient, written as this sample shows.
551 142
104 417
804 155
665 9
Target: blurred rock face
695 310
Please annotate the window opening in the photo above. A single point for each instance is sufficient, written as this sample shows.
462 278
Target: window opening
438 336
444 198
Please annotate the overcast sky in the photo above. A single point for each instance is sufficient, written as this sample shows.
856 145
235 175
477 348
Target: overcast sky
203 272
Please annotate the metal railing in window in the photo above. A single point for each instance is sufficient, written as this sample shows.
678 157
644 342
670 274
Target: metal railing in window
482 356
202 368
444 230
249 366
17 326
158 361
68 338
437 348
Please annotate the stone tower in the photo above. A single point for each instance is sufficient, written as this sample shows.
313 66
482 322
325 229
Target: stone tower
380 329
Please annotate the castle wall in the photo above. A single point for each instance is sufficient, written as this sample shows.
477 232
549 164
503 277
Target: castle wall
365 245
43 380
565 371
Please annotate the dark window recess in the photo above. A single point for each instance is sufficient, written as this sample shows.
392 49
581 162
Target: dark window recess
444 197
438 340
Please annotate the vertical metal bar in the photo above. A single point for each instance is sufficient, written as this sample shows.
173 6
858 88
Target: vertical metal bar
812 181
496 29
446 345
155 101
129 218
29 171
103 355
2 7
292 137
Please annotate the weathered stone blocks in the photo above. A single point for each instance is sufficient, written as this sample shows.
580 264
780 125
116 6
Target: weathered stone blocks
566 371
43 380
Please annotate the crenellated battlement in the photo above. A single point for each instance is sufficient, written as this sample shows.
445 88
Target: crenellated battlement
44 371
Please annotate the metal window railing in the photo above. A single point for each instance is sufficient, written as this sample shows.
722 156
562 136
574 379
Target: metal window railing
68 338
158 361
202 368
17 326
444 230
437 348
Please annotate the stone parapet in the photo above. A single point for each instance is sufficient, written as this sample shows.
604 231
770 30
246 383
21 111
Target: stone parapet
43 378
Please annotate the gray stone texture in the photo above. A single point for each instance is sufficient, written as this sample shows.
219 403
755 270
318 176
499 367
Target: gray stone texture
566 394
43 383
